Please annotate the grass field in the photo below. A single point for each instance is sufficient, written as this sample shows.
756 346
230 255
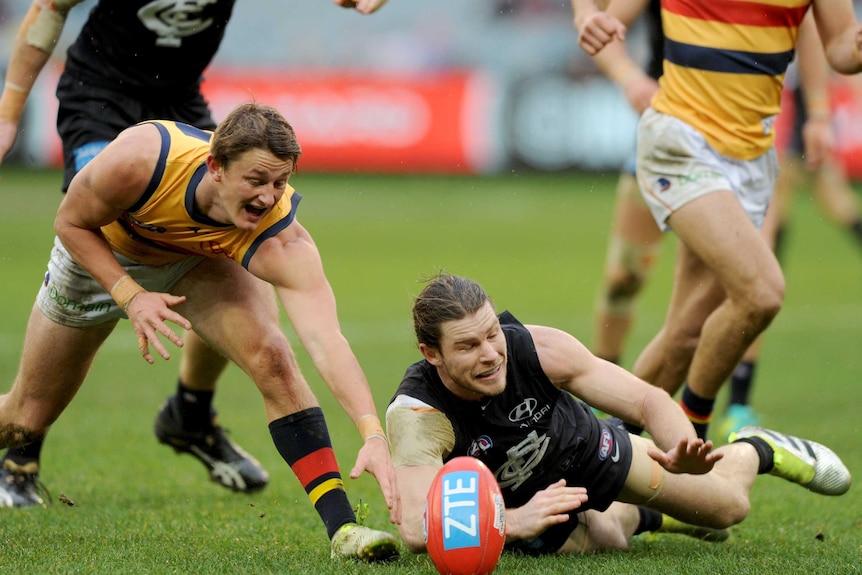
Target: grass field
537 243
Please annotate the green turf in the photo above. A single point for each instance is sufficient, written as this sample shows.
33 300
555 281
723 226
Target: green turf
537 244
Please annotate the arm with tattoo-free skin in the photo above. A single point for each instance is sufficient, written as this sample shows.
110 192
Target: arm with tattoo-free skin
840 34
104 188
34 43
596 28
612 389
290 261
617 64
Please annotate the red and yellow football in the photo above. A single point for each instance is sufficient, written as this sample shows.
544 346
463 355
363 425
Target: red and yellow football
465 518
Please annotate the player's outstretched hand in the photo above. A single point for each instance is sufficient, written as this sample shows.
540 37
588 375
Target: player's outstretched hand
362 6
375 459
689 456
546 508
148 311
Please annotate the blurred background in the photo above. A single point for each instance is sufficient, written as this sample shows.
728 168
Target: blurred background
444 87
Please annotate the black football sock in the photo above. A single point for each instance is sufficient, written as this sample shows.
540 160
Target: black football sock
25 453
193 406
303 441
698 409
764 451
740 382
650 520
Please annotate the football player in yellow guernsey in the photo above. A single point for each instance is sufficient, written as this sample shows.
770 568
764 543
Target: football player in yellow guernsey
170 223
706 167
133 60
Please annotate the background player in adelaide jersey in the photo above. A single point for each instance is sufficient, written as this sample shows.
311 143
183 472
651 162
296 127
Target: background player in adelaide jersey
707 167
518 398
130 64
140 220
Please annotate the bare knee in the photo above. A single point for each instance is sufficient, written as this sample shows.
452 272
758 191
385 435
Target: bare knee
272 358
763 301
731 511
735 510
597 532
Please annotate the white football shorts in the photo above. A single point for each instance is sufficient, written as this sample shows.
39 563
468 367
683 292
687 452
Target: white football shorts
70 296
676 165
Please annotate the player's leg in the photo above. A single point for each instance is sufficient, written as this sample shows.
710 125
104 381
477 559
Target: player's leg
739 412
54 362
246 329
664 362
613 528
837 198
632 250
720 498
716 232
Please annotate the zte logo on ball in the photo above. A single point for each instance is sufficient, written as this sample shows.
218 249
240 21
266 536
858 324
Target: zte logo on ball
460 510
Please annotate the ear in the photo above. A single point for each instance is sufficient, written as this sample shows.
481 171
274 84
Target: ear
431 354
214 167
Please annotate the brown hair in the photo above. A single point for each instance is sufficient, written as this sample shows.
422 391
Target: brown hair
445 298
252 126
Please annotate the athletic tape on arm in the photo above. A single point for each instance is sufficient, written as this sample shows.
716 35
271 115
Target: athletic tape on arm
47 24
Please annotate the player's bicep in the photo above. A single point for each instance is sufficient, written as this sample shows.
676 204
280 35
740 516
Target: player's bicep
115 179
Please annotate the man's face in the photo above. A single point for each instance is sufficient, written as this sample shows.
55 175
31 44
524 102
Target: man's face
250 186
471 360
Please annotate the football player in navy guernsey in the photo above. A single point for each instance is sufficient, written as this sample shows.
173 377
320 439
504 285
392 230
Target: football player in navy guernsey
133 60
518 398
170 223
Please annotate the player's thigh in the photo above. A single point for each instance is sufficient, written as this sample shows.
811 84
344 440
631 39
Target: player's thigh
695 295
228 307
717 230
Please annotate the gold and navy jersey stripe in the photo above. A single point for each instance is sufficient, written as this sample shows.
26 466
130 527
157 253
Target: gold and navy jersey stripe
164 226
724 68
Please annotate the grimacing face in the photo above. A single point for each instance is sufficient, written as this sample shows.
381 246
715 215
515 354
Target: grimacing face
252 184
472 357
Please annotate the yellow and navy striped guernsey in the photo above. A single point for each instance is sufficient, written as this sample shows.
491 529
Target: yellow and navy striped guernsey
724 67
164 226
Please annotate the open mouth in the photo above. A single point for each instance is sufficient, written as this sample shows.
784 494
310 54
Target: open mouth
255 212
490 374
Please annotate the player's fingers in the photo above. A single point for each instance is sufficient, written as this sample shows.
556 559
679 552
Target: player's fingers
144 348
180 320
590 45
170 334
160 348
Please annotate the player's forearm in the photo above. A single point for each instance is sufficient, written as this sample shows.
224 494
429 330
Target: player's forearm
24 67
665 420
813 69
583 7
37 36
615 63
339 368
